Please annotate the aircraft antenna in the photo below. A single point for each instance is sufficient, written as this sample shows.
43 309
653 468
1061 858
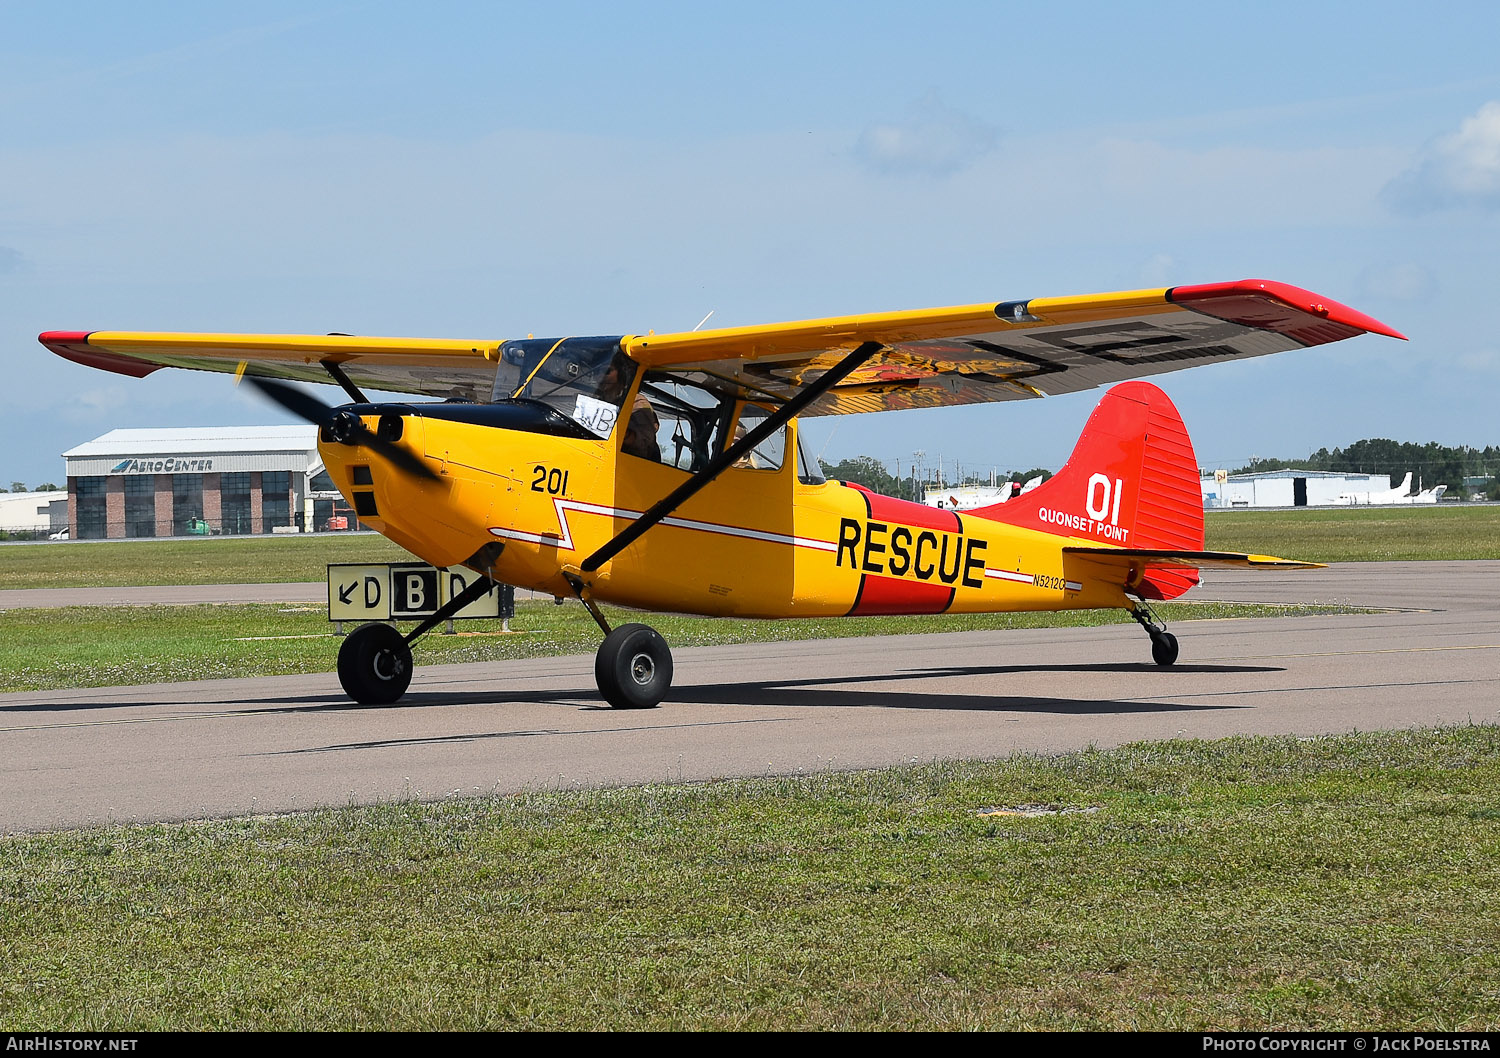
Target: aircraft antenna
705 318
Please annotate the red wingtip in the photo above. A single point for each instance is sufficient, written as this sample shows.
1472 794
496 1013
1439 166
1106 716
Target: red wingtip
74 346
52 339
1282 307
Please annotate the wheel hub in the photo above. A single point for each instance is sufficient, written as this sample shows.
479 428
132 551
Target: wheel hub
387 665
642 669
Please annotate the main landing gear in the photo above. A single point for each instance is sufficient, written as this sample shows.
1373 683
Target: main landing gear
375 659
1163 643
634 665
374 664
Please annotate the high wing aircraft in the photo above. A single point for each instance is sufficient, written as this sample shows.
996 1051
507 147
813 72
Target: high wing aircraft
666 472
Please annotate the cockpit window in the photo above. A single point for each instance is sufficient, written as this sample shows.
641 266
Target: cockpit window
585 379
677 423
770 453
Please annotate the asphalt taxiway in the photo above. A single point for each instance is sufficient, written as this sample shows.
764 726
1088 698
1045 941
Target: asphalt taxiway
188 750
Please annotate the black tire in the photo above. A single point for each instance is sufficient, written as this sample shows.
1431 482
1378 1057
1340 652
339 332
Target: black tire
633 667
374 665
1164 648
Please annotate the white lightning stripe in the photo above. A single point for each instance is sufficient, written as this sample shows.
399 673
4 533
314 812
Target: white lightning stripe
1026 578
531 538
752 534
564 540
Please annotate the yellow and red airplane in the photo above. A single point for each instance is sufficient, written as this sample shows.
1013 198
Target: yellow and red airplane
665 472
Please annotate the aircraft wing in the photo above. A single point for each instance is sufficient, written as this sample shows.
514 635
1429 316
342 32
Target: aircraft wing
963 354
1014 349
438 367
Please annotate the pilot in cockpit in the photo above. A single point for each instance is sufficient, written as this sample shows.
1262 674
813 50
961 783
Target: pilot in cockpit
640 431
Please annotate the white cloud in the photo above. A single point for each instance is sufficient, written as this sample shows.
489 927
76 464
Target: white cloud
1396 282
1481 361
933 140
1159 271
87 404
1458 171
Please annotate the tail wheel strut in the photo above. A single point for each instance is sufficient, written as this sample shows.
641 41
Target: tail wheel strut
1163 643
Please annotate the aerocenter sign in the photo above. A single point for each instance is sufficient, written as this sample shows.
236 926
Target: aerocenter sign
408 591
163 465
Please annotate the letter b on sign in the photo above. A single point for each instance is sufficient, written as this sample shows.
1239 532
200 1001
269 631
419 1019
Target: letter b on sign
414 592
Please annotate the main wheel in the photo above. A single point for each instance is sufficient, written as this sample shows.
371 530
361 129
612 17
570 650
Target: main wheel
1164 648
633 667
374 664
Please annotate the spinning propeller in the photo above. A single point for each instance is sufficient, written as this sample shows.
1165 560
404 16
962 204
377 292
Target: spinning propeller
341 424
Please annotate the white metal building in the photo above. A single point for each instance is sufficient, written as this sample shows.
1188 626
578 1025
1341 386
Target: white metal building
200 480
40 513
1287 488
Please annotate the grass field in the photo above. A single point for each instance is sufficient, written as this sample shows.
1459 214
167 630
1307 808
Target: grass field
108 646
200 560
1360 535
1444 532
1334 883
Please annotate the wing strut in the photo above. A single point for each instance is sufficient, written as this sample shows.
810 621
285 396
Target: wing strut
332 367
716 466
474 591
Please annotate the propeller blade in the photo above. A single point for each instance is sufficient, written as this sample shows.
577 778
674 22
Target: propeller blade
301 404
401 457
306 406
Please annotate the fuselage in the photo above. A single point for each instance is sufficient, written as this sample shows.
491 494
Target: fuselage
755 542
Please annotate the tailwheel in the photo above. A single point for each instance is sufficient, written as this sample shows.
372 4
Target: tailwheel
375 664
1163 643
633 667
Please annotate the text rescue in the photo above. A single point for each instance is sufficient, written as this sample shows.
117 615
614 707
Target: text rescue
922 553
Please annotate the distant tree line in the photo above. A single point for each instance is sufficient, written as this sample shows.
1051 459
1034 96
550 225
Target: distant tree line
875 476
1433 463
20 486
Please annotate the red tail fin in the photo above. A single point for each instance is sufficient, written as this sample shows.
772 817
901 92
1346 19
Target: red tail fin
1132 480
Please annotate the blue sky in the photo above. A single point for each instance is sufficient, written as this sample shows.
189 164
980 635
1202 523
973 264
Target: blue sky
493 170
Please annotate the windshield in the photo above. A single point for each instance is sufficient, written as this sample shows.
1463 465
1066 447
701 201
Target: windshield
585 379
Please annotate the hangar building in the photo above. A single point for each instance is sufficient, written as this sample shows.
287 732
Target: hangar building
1286 488
33 513
201 481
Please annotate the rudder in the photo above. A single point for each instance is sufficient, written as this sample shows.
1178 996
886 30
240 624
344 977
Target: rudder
1132 481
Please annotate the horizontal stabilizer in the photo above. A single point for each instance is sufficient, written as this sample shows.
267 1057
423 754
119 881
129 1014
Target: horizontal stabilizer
1136 558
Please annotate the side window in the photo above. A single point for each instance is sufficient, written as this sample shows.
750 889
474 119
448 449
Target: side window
675 423
641 431
809 470
771 452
